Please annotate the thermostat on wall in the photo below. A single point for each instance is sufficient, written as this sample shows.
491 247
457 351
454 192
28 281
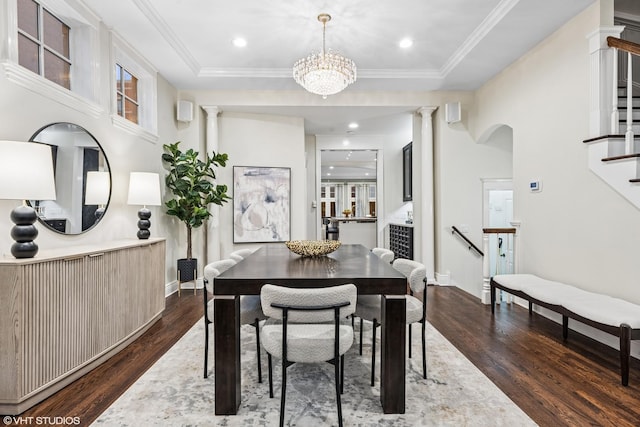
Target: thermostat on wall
535 186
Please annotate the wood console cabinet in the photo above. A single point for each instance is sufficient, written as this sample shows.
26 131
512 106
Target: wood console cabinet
401 240
64 312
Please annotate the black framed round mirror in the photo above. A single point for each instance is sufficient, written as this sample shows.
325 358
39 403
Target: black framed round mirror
83 179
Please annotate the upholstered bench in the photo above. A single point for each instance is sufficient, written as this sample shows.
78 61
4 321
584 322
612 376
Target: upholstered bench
612 315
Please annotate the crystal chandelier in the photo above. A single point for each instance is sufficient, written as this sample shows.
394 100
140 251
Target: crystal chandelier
324 73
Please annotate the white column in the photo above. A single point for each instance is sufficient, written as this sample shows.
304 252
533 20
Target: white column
212 231
600 77
426 229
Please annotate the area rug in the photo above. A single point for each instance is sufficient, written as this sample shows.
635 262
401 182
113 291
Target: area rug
174 393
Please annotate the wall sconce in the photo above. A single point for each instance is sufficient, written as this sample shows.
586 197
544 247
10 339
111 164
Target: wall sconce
26 173
144 189
97 190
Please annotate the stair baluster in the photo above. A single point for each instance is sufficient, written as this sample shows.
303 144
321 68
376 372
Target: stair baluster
628 140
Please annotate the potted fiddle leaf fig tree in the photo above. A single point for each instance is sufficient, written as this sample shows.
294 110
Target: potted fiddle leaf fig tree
191 181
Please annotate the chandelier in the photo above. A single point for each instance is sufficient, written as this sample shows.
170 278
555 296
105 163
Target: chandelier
324 73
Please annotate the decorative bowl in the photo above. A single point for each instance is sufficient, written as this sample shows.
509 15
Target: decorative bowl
310 248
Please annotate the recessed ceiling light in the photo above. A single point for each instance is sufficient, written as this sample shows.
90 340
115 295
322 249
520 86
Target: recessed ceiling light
353 125
330 167
345 142
239 42
328 174
405 43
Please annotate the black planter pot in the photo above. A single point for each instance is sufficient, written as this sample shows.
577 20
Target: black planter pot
187 271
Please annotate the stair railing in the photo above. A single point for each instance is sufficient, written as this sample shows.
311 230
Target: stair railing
454 230
510 239
631 49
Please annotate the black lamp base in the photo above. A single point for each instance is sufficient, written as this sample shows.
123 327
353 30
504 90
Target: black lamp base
99 212
143 223
24 232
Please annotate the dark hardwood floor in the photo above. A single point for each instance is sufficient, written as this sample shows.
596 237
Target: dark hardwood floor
90 395
557 384
576 383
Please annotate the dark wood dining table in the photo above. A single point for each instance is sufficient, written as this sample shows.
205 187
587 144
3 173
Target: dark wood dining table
277 265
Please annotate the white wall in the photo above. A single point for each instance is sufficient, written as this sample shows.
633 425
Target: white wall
23 112
312 213
577 229
263 140
461 163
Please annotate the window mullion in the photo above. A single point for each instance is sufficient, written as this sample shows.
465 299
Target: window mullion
121 102
56 53
40 40
29 36
131 99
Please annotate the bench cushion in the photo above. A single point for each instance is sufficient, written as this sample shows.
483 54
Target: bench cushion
605 309
590 305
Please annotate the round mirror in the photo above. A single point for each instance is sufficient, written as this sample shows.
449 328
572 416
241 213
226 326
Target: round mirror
83 181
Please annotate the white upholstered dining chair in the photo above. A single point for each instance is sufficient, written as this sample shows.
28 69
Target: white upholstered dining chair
305 325
240 254
369 308
384 254
250 309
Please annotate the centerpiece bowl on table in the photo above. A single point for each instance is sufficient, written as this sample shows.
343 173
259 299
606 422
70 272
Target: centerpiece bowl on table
312 248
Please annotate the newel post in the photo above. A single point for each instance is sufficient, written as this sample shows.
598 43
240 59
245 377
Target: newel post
615 114
486 285
600 77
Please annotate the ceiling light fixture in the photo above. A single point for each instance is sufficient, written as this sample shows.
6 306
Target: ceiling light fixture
239 42
353 125
324 73
406 43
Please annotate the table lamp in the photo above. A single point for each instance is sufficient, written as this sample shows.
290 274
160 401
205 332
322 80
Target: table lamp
144 189
26 173
97 190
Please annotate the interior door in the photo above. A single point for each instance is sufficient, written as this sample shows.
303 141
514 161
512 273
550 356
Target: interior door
498 213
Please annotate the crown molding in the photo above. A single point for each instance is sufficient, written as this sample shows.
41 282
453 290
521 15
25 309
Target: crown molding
165 31
496 15
245 72
369 73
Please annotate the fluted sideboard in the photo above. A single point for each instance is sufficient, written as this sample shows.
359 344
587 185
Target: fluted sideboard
66 311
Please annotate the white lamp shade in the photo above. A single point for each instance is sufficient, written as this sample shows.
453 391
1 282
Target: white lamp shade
98 188
144 189
26 171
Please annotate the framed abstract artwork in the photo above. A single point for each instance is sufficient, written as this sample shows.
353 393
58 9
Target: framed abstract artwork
261 204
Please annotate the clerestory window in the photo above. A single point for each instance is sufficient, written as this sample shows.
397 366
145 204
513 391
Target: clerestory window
126 94
43 43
